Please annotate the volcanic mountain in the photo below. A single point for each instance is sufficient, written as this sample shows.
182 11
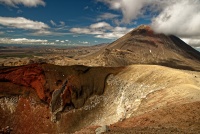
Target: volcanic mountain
143 46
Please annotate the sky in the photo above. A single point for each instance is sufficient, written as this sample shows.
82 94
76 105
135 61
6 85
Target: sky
90 22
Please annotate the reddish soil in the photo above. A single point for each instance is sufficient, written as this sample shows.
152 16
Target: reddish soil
28 76
175 119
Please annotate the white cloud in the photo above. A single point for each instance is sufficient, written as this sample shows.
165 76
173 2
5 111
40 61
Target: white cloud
75 36
130 9
115 33
84 42
180 17
62 23
109 35
19 11
25 40
192 42
102 30
97 28
177 17
22 41
133 9
42 33
10 31
53 23
28 3
60 26
100 25
38 28
22 23
85 8
80 30
107 16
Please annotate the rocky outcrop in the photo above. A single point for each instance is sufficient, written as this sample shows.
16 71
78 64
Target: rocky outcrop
102 129
30 76
78 86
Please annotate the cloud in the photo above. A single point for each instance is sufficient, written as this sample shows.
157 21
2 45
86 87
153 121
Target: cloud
97 28
22 23
80 30
53 23
25 40
60 26
100 25
27 3
192 42
102 30
107 16
85 8
109 35
43 32
115 33
36 27
62 23
180 17
130 9
177 17
84 42
21 41
10 31
19 11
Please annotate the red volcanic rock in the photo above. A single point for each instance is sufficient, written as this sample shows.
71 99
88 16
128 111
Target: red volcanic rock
143 29
29 76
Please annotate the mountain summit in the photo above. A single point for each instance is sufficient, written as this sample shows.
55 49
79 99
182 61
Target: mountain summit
143 46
